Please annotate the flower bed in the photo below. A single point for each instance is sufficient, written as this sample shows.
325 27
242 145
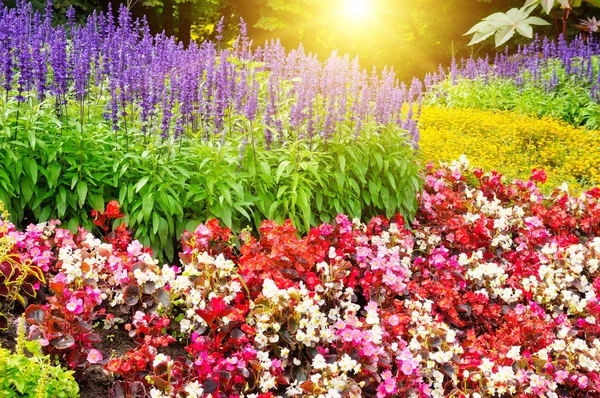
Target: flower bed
492 292
513 144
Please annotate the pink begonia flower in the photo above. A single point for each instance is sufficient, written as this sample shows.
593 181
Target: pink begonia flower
94 356
519 309
582 381
407 368
560 376
522 376
60 278
202 230
388 387
44 342
394 320
75 305
135 248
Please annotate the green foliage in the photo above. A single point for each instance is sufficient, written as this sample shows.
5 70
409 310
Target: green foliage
59 171
568 101
33 375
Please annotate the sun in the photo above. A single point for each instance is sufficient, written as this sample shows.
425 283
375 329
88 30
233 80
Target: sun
357 10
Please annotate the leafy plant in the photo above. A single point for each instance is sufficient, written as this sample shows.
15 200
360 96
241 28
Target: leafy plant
20 278
32 374
64 326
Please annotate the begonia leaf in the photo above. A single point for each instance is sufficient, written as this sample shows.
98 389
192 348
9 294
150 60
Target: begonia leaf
34 314
210 385
136 390
163 296
63 342
117 390
131 296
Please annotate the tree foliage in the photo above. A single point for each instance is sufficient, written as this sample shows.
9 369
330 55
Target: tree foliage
503 26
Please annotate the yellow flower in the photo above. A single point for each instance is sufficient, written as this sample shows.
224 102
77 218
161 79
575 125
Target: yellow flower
513 144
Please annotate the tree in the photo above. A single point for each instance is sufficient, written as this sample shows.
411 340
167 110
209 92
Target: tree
503 26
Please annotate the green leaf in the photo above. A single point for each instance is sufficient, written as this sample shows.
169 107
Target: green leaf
148 205
163 230
122 194
45 214
271 213
281 169
342 161
19 383
226 214
31 137
304 207
155 223
340 179
266 170
61 203
82 190
373 189
32 169
141 183
226 194
97 202
392 180
54 174
281 191
27 188
319 200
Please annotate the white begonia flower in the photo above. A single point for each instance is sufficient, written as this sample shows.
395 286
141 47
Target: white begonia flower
514 353
372 318
267 382
486 365
319 362
347 364
159 358
185 325
194 390
154 393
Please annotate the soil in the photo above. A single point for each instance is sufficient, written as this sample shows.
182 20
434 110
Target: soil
95 382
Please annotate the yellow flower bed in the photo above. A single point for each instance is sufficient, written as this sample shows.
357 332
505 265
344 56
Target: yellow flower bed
512 143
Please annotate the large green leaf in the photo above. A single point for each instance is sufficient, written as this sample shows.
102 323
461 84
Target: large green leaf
504 25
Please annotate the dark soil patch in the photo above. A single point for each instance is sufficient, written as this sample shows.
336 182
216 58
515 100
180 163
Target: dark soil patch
95 381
